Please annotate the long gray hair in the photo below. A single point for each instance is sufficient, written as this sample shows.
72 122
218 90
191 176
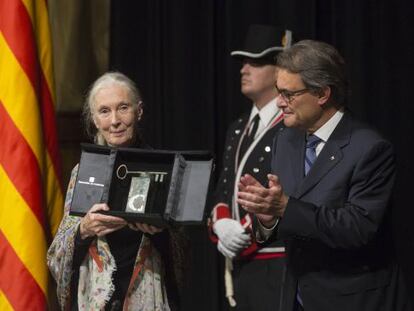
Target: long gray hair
108 79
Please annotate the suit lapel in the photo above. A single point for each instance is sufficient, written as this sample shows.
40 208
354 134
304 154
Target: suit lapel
329 157
289 154
297 156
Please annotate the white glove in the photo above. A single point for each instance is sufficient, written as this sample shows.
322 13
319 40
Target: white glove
232 237
225 251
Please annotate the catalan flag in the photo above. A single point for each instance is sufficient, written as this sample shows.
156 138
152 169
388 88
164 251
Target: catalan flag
30 191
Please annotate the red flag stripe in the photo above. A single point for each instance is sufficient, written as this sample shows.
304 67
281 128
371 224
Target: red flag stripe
16 26
18 280
25 175
21 41
49 128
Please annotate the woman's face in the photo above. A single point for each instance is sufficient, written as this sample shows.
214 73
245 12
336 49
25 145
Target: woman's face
115 116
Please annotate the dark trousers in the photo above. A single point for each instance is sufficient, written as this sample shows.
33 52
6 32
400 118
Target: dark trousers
298 307
258 284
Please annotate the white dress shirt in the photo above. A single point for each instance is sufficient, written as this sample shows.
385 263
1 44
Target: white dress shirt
266 114
325 131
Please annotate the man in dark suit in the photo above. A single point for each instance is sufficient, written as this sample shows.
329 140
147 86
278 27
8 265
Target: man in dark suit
330 193
256 271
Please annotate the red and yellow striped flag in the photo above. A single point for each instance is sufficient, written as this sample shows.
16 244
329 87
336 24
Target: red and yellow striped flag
31 199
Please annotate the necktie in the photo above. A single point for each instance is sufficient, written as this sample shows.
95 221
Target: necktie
249 137
310 153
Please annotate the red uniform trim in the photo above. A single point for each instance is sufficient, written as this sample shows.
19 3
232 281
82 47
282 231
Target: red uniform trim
260 256
278 119
221 211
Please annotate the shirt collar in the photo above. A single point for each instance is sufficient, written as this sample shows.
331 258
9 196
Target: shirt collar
326 130
266 113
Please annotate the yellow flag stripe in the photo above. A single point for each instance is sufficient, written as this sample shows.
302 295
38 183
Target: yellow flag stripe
38 13
22 230
4 303
20 101
54 197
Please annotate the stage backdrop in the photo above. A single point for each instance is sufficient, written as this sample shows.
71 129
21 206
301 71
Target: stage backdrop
178 53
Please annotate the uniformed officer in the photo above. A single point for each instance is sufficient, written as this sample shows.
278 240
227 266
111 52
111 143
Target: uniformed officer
254 272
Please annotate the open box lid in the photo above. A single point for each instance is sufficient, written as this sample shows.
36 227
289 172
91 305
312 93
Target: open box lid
93 174
194 188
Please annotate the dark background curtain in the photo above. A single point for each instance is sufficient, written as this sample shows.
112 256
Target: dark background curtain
178 52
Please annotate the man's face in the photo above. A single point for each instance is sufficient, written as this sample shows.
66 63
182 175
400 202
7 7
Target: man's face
301 109
257 79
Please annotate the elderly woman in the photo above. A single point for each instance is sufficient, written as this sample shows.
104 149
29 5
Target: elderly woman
101 262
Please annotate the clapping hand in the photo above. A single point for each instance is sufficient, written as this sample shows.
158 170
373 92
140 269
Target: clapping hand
267 203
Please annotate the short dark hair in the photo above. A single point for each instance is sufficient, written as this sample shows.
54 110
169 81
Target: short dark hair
319 65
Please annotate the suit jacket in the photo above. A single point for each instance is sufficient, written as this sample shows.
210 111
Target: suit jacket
336 224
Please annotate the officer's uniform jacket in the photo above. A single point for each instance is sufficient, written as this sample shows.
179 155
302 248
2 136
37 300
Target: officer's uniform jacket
255 162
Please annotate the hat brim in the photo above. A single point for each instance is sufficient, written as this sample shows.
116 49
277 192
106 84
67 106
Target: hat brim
266 53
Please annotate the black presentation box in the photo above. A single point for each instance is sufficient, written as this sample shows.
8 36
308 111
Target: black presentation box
156 187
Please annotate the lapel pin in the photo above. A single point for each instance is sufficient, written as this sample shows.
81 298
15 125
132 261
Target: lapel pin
332 158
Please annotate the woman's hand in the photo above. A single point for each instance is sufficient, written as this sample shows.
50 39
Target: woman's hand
138 226
96 224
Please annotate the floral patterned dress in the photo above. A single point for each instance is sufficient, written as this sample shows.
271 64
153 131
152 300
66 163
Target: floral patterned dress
147 290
